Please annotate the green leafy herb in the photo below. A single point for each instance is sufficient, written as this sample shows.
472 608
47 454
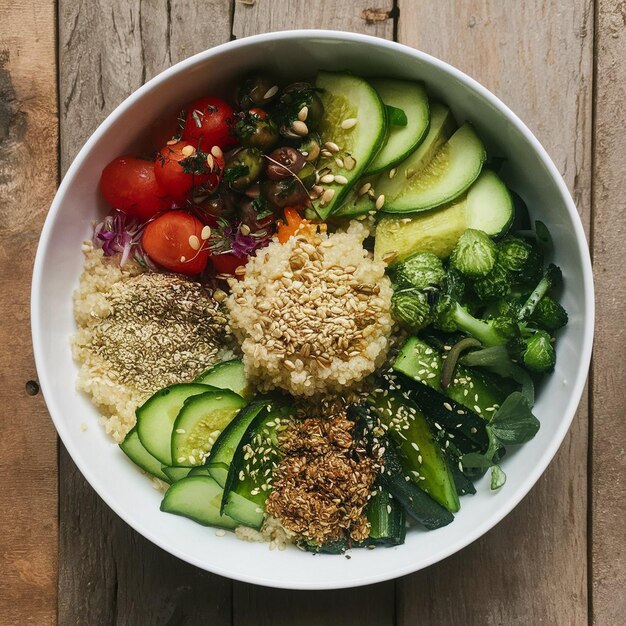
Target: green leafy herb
497 360
195 164
514 422
396 117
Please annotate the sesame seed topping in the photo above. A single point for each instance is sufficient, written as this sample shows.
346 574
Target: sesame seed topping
341 180
392 172
332 146
380 201
364 189
351 122
271 92
303 113
327 179
300 128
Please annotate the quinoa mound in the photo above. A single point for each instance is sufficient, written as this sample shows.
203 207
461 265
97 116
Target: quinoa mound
312 314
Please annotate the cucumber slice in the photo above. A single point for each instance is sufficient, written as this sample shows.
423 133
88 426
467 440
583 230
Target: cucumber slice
175 473
199 423
488 206
356 204
387 519
441 127
228 375
421 457
156 417
253 463
452 170
132 448
402 140
437 232
224 448
346 97
198 498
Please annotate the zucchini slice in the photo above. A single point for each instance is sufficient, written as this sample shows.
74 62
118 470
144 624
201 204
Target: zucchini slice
401 140
199 423
198 498
134 450
452 170
228 375
156 417
348 97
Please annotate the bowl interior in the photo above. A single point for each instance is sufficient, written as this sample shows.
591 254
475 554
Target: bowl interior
59 260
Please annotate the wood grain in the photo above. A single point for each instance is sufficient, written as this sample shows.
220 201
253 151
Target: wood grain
28 448
259 605
537 56
608 524
108 573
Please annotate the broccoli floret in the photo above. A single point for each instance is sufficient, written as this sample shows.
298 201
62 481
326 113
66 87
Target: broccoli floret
549 314
496 284
451 316
551 277
474 254
422 270
523 260
539 355
411 308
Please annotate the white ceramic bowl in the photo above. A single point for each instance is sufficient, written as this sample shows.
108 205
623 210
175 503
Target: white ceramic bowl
294 55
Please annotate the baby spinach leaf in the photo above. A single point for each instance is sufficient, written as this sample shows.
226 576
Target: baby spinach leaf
396 117
514 422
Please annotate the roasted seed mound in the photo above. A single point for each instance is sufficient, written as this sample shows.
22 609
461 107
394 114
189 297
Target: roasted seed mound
139 332
323 482
312 314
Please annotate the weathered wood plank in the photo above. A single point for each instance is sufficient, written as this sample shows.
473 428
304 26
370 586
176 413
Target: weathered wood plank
28 444
537 56
352 15
258 605
108 573
608 526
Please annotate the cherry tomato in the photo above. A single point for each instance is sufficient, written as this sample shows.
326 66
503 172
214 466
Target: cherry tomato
165 128
174 242
180 167
227 263
130 185
208 123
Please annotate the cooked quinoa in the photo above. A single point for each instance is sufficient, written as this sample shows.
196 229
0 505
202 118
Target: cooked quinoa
138 332
312 314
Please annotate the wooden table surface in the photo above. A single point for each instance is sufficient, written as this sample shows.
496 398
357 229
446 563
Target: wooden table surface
558 558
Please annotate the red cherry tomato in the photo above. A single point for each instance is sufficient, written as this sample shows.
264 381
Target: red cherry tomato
209 121
227 263
165 128
174 242
129 184
179 167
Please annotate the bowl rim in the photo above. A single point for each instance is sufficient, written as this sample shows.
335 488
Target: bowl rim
533 475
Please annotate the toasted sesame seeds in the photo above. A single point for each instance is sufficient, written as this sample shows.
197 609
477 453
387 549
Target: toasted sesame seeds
328 195
216 151
364 189
220 533
326 153
351 122
327 179
210 161
380 201
303 113
392 172
244 229
415 446
448 406
188 150
349 163
240 271
206 233
341 180
339 162
332 146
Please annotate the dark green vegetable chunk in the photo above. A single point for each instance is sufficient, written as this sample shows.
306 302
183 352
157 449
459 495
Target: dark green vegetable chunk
474 254
411 308
551 278
549 314
256 129
523 260
243 168
421 271
496 284
539 355
387 519
256 90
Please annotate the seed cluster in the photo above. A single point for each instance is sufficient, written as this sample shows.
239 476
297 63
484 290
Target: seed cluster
323 482
312 314
160 329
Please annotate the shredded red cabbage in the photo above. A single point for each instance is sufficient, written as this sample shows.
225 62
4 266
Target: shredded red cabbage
120 234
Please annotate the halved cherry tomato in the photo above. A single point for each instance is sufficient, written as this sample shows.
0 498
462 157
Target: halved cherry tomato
208 123
294 223
179 167
128 183
227 263
174 242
